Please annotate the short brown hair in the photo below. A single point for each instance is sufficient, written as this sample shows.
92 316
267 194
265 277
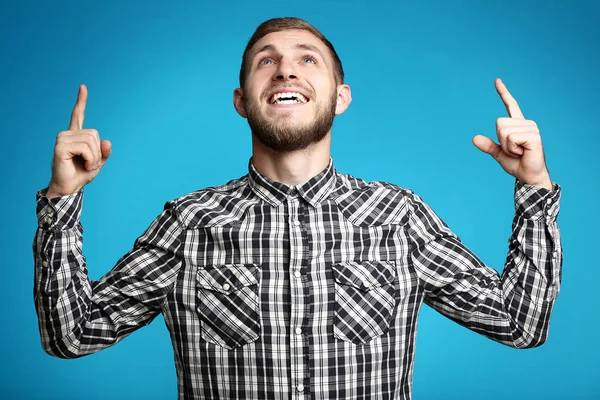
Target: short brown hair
285 24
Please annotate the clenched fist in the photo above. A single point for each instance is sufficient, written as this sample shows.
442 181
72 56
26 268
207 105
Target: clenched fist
520 151
78 154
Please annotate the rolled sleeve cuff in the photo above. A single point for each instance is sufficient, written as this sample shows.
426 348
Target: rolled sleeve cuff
536 202
59 213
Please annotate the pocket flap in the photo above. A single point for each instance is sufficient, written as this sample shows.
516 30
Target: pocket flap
227 278
364 275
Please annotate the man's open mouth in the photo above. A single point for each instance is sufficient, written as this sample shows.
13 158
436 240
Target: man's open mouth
288 98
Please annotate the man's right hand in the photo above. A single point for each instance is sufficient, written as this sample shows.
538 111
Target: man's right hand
78 155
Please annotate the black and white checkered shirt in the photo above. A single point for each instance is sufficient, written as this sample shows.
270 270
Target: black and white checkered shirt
272 291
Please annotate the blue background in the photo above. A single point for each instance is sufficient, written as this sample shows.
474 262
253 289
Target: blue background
160 77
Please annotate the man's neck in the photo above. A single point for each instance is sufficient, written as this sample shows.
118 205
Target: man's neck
294 167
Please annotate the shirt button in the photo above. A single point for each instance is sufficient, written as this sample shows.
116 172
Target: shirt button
554 254
226 287
300 388
48 220
296 222
549 212
44 263
298 331
297 274
366 285
549 201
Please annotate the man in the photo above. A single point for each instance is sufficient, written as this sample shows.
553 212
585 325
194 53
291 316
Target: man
295 281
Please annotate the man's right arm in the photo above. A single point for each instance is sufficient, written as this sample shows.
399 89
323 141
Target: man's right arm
78 316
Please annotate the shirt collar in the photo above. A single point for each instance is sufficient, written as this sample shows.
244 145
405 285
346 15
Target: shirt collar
314 191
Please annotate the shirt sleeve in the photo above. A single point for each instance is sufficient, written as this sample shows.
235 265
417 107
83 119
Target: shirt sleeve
77 316
512 308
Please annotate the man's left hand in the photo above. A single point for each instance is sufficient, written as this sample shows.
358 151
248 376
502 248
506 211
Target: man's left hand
520 151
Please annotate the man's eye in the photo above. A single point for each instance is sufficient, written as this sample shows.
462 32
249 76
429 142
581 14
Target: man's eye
265 61
309 59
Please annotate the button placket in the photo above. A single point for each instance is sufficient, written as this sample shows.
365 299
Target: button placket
48 219
298 294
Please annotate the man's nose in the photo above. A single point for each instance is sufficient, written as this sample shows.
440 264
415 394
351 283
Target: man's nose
285 71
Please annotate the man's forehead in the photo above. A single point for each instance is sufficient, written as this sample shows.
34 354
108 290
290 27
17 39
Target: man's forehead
289 39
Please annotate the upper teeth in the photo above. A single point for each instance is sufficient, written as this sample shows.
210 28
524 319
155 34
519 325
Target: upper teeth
291 97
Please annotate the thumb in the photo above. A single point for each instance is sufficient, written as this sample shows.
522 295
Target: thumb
106 148
488 146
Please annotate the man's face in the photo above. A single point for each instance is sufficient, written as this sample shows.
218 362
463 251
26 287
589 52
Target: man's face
290 95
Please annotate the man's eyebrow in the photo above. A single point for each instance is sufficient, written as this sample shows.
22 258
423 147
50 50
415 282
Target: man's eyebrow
264 48
301 46
309 47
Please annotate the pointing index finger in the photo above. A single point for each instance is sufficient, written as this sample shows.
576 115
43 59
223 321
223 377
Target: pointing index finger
509 102
78 114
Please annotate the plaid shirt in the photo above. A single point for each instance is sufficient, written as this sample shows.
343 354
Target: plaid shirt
272 291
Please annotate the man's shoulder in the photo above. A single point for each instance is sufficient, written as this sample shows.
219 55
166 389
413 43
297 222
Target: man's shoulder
372 202
231 188
215 205
352 183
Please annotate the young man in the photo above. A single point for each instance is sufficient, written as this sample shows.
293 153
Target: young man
295 281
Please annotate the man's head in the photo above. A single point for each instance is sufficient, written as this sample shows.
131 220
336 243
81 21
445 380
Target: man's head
286 24
291 85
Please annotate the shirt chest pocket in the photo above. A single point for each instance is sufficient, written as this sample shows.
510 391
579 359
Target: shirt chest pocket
364 299
227 298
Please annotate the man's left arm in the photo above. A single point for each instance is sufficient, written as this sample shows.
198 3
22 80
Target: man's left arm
514 308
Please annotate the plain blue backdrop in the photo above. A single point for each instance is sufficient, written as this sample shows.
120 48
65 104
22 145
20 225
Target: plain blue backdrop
161 76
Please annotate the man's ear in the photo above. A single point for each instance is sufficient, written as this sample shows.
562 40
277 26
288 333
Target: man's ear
344 98
238 102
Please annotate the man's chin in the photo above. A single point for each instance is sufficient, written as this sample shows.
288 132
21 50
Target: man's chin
289 123
283 114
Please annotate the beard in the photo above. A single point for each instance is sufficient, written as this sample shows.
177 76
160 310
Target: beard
281 135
